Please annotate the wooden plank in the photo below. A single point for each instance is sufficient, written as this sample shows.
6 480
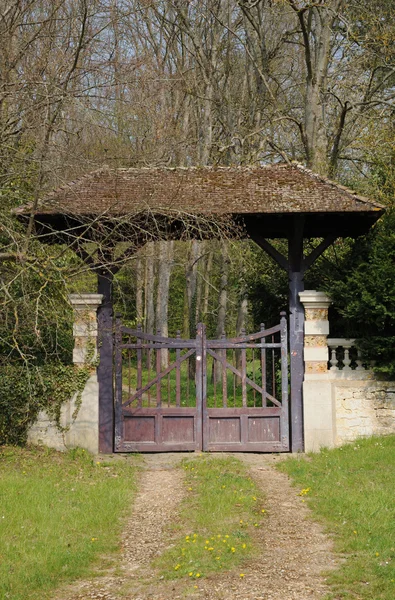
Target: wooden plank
178 372
244 377
200 380
263 371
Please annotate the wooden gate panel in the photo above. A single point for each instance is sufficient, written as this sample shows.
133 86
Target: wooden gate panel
243 412
157 409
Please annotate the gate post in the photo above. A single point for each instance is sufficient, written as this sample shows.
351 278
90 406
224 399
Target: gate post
319 413
118 425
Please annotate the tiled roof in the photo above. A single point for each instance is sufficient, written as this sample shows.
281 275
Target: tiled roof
273 189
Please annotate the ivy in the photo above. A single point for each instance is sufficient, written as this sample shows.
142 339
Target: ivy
26 391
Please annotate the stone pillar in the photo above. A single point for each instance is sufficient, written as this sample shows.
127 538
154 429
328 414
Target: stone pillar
316 330
80 415
85 326
83 430
318 403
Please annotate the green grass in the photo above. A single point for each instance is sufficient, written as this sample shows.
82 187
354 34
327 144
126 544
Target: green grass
352 491
188 388
58 513
218 517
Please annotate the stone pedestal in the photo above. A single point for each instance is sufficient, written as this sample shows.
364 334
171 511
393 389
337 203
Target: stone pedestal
85 326
316 330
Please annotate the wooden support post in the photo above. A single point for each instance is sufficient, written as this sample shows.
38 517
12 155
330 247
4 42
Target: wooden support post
296 332
105 368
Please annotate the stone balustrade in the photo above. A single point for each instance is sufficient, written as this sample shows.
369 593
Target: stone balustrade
344 356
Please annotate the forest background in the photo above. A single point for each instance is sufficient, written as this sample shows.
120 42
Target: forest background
166 83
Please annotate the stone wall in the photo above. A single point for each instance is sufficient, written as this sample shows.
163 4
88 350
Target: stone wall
363 407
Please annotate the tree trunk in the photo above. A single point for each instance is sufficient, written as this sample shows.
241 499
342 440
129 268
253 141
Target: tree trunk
162 302
222 304
189 324
206 282
242 313
149 288
139 291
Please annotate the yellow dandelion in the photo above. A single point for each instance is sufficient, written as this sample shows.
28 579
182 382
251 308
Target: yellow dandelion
195 535
210 549
233 549
207 541
190 574
242 575
241 521
244 545
197 574
217 558
226 536
263 510
187 537
177 567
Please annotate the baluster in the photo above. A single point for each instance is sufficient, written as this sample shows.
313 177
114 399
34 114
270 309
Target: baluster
263 367
346 359
360 366
234 377
158 370
224 374
243 372
273 370
253 375
139 361
178 372
333 361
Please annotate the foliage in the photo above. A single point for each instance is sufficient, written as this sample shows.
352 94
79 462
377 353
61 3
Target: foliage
222 507
351 490
364 294
60 513
25 390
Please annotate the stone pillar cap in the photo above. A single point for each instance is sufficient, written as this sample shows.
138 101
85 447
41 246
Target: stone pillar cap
86 299
314 299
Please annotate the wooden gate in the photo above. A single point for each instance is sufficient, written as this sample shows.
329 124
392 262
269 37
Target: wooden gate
224 395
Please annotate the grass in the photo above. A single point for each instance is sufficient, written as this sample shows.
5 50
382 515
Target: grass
188 389
58 513
352 491
221 510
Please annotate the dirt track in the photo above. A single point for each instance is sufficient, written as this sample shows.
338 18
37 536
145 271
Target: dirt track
293 549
